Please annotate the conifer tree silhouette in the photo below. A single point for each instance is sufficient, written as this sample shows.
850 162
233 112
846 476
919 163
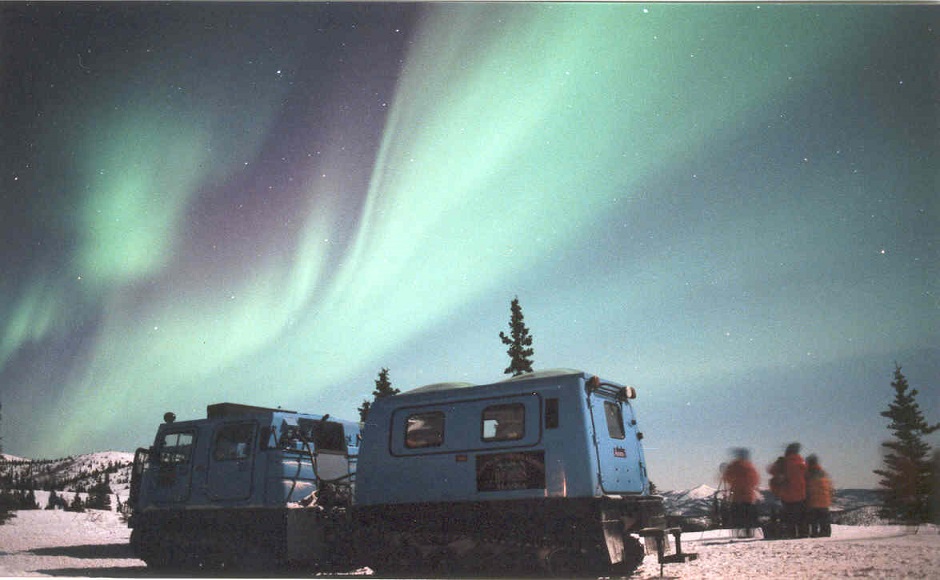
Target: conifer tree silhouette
519 341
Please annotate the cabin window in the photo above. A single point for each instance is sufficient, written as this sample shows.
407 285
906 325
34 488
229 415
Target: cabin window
325 435
551 413
503 422
176 448
614 420
233 442
424 430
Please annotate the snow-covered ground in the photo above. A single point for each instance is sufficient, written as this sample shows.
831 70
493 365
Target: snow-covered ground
60 543
94 543
851 552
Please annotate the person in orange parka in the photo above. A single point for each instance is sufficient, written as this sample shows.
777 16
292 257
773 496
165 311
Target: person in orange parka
788 482
818 499
742 481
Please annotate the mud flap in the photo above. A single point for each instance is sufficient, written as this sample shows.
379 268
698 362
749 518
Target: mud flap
660 538
613 538
656 543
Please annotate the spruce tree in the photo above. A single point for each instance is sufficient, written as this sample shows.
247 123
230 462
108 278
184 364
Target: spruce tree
99 495
907 474
364 410
7 506
30 502
383 388
519 341
76 505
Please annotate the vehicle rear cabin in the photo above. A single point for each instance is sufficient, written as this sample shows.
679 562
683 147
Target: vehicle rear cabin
547 466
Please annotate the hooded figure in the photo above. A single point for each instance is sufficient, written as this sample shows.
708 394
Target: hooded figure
818 498
788 482
742 481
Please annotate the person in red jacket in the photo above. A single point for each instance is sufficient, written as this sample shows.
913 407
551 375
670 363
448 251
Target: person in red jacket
742 480
788 482
818 498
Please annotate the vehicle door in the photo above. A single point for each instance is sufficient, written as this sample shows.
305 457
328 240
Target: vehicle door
172 466
231 461
619 458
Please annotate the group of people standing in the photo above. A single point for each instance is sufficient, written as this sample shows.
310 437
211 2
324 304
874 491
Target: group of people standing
802 486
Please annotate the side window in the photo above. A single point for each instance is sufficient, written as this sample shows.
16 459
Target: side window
551 413
614 420
424 430
325 435
233 442
176 448
503 422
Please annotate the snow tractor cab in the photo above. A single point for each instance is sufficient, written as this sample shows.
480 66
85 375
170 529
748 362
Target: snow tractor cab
246 485
543 469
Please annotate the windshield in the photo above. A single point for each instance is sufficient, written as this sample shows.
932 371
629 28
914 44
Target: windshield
320 435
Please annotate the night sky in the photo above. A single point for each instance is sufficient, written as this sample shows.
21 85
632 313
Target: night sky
733 208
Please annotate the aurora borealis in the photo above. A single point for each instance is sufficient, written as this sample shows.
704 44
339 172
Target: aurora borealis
731 207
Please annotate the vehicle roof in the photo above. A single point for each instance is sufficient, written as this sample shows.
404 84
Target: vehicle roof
220 411
533 376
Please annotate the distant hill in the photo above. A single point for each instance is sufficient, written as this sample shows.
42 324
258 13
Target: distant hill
76 474
80 473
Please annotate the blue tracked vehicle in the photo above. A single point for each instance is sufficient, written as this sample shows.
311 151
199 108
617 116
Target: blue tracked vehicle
546 469
540 472
230 489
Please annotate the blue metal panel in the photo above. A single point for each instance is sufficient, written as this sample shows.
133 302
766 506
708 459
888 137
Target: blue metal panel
231 461
462 427
616 442
466 466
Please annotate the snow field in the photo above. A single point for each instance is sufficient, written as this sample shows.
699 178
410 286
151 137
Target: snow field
57 543
851 552
94 544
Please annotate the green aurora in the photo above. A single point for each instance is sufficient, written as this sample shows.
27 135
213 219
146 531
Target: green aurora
520 143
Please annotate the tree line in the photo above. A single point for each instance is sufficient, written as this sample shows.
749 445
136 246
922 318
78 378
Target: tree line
90 488
43 474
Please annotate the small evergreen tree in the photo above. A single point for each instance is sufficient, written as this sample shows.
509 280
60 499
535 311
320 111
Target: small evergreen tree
53 501
7 506
906 478
29 501
383 388
519 341
77 504
364 410
99 496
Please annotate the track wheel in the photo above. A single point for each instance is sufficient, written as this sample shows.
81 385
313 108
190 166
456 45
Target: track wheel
633 554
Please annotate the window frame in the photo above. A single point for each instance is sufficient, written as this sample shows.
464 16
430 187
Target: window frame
552 416
496 438
426 442
621 431
241 453
329 436
177 457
